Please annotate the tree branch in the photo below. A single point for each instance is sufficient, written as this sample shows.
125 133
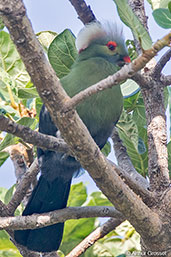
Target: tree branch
128 173
52 143
33 137
22 188
166 80
124 73
84 12
53 217
139 10
90 240
161 64
71 127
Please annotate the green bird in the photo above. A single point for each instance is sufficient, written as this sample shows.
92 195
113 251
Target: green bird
101 52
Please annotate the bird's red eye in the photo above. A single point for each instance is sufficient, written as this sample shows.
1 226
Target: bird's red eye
111 45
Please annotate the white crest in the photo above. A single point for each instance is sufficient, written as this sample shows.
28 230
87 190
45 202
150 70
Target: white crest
96 30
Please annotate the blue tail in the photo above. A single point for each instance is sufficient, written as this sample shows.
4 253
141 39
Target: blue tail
47 196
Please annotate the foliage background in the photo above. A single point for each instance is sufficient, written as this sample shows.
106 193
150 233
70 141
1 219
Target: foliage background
15 79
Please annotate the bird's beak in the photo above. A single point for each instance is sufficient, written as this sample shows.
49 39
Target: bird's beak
123 60
127 59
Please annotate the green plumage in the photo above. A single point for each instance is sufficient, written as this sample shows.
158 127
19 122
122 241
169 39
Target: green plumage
101 53
100 111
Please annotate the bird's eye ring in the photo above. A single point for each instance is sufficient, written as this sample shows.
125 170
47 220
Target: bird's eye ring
111 45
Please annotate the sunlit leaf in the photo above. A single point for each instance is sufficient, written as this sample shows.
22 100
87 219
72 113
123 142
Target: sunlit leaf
123 240
46 38
7 248
129 88
78 195
98 199
11 62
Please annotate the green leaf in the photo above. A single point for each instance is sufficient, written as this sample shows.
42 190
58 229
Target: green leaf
158 3
26 93
78 195
7 109
127 125
129 88
118 242
46 38
98 199
9 194
139 113
106 149
130 19
169 6
7 141
7 248
38 106
131 102
62 53
3 157
132 135
164 3
11 62
2 195
163 17
169 157
75 231
1 24
28 122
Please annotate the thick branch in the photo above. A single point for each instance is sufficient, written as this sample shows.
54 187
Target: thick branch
84 12
71 127
90 240
33 137
53 217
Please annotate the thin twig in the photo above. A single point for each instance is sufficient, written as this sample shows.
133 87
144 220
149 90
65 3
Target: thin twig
125 72
53 217
90 240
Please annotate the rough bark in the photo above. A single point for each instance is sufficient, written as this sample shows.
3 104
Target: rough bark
155 220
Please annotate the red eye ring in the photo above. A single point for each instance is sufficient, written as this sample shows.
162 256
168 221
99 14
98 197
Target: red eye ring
111 45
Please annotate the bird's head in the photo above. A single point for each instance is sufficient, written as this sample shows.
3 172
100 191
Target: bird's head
102 40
